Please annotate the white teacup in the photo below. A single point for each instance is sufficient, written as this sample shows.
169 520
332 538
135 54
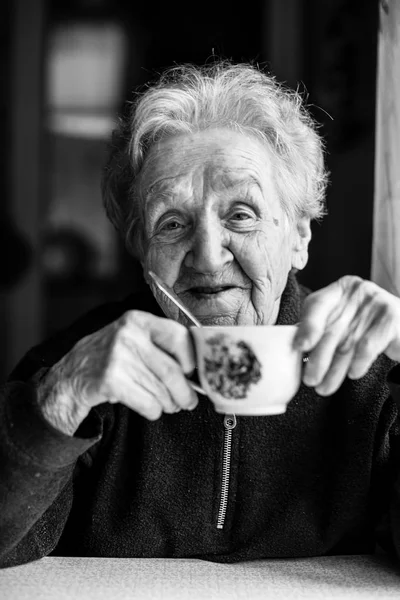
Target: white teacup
250 370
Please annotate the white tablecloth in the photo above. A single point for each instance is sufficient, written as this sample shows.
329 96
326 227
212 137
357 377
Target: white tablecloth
363 577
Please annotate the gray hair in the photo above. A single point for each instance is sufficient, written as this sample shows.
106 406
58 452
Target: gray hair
187 99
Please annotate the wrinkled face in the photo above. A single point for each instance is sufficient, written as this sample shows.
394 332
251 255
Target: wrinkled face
214 228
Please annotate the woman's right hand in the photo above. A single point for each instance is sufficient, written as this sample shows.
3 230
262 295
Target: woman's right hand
139 360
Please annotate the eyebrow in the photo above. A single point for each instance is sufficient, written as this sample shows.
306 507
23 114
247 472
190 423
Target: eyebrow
248 180
159 188
156 189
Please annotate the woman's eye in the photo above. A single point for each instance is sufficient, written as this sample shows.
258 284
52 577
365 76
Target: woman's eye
241 215
171 226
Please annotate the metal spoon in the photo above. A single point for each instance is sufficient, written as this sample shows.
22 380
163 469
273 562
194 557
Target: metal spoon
169 292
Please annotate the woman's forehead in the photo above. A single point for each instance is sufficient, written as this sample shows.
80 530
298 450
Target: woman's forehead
223 158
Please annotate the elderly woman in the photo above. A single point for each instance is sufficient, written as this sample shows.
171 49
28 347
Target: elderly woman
106 450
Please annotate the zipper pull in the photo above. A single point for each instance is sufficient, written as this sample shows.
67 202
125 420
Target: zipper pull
229 421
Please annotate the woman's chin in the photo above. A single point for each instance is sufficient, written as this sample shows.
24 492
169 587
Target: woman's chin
218 320
241 317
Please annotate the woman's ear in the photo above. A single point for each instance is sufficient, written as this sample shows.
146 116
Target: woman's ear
301 239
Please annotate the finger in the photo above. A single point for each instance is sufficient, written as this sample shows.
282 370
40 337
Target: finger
129 367
177 342
146 380
320 359
318 309
174 354
338 343
358 329
169 373
127 391
145 404
336 373
374 342
152 368
169 336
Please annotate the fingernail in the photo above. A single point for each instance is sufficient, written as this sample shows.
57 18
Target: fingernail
303 344
356 373
309 380
193 405
321 391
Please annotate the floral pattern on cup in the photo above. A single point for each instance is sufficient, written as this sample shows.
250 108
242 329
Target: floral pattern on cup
230 366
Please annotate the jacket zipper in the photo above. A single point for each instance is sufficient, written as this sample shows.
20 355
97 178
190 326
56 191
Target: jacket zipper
229 424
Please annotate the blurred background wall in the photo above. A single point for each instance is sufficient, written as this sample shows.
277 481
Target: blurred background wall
66 68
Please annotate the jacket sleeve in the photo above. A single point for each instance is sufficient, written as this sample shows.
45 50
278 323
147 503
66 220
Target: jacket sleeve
38 462
386 477
36 470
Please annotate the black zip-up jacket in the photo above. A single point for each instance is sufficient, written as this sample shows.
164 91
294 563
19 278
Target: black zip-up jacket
323 478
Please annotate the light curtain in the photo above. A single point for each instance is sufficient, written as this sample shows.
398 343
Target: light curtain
386 233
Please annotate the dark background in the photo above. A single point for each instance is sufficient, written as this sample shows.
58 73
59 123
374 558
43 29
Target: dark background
327 47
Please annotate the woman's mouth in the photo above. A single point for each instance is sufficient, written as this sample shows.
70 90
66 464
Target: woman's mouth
206 301
207 291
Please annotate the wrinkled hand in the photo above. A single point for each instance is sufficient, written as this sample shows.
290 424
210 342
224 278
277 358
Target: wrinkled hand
139 360
344 327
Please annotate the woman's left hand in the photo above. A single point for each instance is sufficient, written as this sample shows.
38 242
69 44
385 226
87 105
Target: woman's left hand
344 327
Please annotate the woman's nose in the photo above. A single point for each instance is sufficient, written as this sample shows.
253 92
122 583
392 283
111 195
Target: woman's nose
209 251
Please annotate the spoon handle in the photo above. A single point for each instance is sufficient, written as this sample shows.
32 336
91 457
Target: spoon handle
196 388
175 299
